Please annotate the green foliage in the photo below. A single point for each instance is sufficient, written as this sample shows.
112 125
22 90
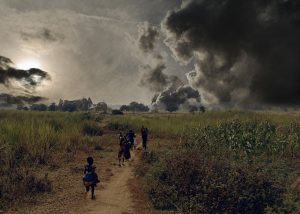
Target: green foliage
220 162
177 124
246 139
193 184
216 162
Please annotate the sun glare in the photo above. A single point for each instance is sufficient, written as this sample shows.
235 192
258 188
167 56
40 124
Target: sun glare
28 63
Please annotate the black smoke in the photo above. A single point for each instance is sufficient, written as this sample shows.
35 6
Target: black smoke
148 35
242 50
154 78
184 97
170 92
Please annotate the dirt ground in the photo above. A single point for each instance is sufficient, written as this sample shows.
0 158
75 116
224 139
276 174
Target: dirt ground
118 192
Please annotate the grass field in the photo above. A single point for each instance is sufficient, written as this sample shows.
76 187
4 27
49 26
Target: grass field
213 162
30 140
177 123
220 162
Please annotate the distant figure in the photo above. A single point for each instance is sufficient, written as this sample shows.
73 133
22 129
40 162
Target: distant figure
144 134
121 149
124 151
131 136
90 178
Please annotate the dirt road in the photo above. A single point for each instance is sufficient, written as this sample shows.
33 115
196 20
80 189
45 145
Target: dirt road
114 196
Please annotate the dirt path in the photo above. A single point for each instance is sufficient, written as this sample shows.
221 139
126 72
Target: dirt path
114 196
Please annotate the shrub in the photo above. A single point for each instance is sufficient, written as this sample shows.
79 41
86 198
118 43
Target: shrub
116 112
37 185
14 184
193 184
98 147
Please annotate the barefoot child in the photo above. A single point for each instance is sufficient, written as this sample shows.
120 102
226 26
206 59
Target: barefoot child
90 178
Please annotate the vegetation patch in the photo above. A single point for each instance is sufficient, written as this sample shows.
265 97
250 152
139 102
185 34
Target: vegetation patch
229 166
192 183
92 128
29 140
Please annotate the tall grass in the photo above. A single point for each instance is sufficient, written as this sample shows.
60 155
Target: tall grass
178 123
220 162
29 139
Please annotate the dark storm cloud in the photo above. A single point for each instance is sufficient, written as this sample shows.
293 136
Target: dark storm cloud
240 47
22 99
28 78
148 37
43 34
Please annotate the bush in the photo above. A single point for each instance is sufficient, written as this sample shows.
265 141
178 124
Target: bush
36 185
193 184
14 184
98 147
116 112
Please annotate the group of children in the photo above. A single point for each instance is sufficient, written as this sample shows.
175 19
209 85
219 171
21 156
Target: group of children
126 142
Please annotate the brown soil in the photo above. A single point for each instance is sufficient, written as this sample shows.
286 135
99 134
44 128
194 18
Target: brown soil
118 192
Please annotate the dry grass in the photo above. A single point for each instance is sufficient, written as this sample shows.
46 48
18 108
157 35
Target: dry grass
66 173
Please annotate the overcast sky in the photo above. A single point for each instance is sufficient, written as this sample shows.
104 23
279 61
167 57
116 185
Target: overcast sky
88 47
224 53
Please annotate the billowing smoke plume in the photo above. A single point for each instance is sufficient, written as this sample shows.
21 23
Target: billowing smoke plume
171 94
242 50
154 78
27 79
183 98
148 35
157 81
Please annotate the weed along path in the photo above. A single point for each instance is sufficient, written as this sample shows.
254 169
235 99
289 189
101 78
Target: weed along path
114 196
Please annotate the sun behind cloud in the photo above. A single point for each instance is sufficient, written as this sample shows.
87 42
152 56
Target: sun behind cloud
28 63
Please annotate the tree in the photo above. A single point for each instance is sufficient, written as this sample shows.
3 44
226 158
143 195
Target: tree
202 109
38 107
135 107
52 107
101 107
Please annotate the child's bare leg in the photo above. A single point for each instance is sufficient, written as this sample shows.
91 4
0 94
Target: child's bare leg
93 191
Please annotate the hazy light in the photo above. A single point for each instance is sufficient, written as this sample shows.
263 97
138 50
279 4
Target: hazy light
28 63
